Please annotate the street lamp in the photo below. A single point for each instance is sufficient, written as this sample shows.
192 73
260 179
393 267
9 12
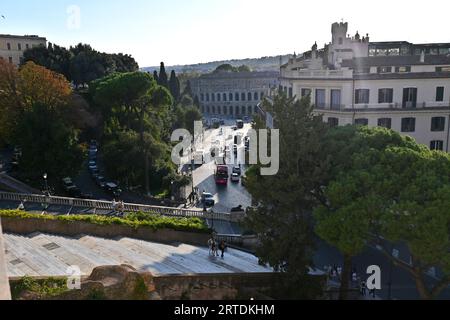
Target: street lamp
45 181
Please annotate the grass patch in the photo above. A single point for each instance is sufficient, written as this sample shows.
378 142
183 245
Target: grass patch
43 288
134 220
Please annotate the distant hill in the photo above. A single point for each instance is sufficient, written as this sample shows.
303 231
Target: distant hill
256 64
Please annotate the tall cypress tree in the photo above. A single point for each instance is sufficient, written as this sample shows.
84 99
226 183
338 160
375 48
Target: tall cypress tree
196 102
188 89
163 76
155 76
174 86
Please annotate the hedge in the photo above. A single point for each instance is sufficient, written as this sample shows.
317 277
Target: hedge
134 220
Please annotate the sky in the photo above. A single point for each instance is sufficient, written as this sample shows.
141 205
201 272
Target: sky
196 31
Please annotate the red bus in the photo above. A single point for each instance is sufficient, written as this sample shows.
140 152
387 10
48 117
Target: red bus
221 175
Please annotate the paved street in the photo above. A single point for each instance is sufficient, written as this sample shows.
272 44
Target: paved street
233 195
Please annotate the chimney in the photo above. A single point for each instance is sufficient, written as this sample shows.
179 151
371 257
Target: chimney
422 57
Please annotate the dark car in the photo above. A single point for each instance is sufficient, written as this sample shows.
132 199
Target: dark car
71 189
113 189
100 181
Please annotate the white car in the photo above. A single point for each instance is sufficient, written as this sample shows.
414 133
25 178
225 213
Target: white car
235 177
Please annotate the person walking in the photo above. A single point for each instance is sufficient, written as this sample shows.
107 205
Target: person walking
363 288
212 246
222 247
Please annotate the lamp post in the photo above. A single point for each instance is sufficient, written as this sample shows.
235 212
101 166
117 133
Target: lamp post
46 184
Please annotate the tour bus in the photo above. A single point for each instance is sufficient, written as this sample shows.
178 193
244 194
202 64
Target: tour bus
221 175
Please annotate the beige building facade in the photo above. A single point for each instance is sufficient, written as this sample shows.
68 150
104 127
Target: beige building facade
12 47
398 85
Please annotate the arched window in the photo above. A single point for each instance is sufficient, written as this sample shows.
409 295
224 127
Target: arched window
255 96
244 110
249 96
214 109
225 110
231 96
243 96
250 110
237 111
224 97
207 109
236 97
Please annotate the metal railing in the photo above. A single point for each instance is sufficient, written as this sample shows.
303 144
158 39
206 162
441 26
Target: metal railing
108 205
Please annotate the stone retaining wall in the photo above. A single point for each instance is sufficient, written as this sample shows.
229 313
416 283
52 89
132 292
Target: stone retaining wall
76 228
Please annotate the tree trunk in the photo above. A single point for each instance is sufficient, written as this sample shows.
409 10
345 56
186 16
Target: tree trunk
345 277
147 176
421 287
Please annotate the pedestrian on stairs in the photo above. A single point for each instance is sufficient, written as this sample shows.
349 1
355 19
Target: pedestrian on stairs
222 247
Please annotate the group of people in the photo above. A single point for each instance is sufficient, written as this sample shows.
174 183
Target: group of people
118 206
335 273
214 248
194 197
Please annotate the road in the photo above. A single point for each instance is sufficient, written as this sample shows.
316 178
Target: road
234 194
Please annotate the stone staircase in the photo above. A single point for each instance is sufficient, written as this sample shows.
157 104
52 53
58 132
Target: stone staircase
50 255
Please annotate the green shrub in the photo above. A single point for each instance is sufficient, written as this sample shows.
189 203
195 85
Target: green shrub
134 220
43 288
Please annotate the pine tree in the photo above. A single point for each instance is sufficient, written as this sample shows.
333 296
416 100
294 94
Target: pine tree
163 76
282 218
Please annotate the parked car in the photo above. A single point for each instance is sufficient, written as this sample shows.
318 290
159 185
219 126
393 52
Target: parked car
237 169
88 196
113 189
208 199
70 188
92 164
95 173
67 183
235 177
100 181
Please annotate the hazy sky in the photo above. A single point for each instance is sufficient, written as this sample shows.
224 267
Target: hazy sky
194 31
